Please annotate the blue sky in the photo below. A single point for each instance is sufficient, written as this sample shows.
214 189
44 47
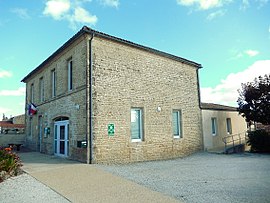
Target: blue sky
230 38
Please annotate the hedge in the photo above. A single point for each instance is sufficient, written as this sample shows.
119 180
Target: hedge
259 141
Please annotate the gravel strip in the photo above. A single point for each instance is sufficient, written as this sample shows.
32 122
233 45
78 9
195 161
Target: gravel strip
204 177
26 189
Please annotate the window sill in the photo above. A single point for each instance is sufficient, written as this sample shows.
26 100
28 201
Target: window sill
136 140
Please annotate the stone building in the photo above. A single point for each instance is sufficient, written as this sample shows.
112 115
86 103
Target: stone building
12 125
221 121
102 99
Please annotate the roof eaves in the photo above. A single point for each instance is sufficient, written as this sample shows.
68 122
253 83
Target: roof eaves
177 58
66 44
86 29
217 107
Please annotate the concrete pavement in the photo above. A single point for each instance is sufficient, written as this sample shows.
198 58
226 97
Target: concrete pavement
86 183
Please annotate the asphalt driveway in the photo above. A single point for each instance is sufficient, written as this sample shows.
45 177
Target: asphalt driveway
204 177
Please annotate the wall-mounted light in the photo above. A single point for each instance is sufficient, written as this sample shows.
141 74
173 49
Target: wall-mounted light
158 109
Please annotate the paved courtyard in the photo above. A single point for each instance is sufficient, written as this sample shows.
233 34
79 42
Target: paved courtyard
204 177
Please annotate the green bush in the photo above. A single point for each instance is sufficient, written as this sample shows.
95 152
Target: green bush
10 164
259 141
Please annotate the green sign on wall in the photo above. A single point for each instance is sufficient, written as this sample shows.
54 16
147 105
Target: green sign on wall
111 129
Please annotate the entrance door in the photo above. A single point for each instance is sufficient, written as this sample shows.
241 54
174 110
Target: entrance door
61 140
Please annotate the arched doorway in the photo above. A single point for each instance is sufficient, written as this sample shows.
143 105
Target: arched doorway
61 136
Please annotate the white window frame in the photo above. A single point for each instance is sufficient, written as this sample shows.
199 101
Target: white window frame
70 74
179 124
229 125
214 126
53 83
140 124
41 89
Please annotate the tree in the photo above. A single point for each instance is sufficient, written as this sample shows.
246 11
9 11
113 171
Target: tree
254 100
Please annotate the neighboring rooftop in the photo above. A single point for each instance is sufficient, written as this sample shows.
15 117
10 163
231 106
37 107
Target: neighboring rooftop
218 107
88 30
7 124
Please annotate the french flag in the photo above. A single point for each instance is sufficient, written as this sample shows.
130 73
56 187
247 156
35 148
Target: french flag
32 109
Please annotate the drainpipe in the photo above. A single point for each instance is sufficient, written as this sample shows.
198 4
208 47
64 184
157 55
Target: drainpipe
199 98
89 104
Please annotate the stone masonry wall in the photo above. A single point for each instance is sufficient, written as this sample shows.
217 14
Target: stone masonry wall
126 77
20 119
123 77
66 103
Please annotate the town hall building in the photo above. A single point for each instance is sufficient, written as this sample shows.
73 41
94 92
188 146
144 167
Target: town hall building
102 99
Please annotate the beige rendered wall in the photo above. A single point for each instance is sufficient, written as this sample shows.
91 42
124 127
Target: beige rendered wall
126 77
215 142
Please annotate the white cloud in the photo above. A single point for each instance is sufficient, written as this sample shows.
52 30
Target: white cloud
245 4
22 104
4 74
209 4
216 14
21 12
113 3
240 54
57 8
251 53
226 92
19 92
83 16
203 4
71 11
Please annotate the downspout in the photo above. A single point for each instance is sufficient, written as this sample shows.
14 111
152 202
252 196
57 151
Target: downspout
199 99
89 104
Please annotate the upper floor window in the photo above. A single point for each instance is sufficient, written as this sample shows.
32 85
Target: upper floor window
70 71
41 89
136 124
177 123
229 125
214 126
32 93
53 82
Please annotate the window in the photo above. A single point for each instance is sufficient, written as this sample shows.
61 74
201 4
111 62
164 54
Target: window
41 89
229 125
53 83
70 74
214 126
32 93
136 124
177 127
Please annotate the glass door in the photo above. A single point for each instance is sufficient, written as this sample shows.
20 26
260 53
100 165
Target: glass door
61 138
